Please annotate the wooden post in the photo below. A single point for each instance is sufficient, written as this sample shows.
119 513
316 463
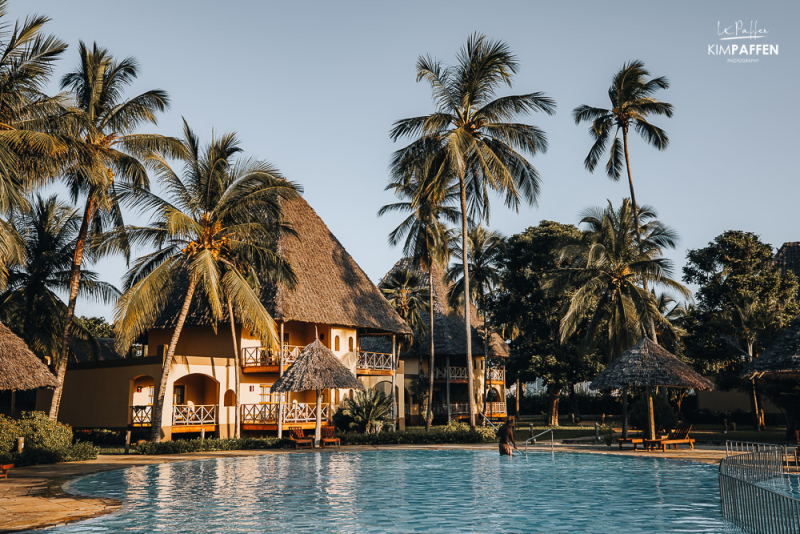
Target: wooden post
13 401
625 413
651 423
516 408
318 428
394 379
280 395
202 433
447 379
128 441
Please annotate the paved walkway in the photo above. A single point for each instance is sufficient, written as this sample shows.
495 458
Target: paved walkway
32 497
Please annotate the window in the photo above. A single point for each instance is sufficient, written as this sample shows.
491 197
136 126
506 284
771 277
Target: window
179 395
150 393
350 344
336 344
266 396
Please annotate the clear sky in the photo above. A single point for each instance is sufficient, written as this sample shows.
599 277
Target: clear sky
314 88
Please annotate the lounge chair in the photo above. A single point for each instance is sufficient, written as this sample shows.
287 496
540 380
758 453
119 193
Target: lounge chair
676 437
638 440
4 470
329 436
298 439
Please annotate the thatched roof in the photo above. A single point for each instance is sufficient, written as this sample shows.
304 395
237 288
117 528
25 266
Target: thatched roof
19 367
782 358
448 328
331 287
647 364
316 368
787 259
103 349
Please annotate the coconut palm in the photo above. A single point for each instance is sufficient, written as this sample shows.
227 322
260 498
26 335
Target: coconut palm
472 139
607 268
368 411
404 290
426 243
30 305
486 248
109 150
631 95
217 226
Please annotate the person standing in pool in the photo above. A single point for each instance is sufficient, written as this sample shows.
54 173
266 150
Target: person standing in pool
506 434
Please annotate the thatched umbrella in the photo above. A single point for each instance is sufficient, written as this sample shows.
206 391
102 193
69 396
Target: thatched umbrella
648 365
316 368
19 367
781 359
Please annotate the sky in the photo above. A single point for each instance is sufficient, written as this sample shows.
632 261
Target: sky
314 87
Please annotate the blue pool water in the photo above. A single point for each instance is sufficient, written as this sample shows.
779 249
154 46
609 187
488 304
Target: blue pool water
410 491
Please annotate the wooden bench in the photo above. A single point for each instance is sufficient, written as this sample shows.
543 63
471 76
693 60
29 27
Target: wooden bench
630 441
676 437
298 439
4 470
329 436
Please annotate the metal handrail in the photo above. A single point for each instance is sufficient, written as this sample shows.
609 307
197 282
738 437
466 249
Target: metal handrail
533 438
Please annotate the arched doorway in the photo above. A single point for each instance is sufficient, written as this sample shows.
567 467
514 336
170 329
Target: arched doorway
142 392
194 402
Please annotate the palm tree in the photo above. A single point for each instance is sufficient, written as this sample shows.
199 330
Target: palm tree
631 95
404 290
426 244
486 248
30 305
109 154
607 266
472 139
218 225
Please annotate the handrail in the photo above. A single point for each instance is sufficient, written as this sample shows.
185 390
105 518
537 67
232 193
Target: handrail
533 438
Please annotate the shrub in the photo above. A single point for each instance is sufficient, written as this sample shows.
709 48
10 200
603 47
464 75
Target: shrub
663 413
453 433
607 434
369 410
46 441
100 436
9 431
203 445
41 432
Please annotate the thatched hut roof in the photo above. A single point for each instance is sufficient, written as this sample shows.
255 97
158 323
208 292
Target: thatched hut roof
19 367
647 364
787 259
316 368
331 287
448 328
781 359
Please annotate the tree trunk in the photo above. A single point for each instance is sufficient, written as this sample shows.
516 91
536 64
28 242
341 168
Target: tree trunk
74 285
573 397
516 408
318 427
753 394
625 413
158 407
429 418
237 432
467 324
552 407
447 386
395 414
486 360
651 422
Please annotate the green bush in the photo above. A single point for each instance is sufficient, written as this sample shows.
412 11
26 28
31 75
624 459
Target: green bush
41 432
663 413
9 431
46 441
183 446
453 433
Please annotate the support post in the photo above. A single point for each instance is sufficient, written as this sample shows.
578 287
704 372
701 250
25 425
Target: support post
394 379
280 395
447 378
318 428
516 408
625 412
651 423
128 441
13 401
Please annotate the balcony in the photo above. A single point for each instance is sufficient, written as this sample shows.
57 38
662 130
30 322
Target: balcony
194 418
495 409
142 415
375 363
497 375
266 359
265 416
456 409
457 374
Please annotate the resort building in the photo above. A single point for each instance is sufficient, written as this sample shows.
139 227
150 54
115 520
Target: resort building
333 299
450 362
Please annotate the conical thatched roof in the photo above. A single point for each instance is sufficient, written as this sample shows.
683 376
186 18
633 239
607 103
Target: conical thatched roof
647 364
19 367
782 358
316 368
331 287
448 328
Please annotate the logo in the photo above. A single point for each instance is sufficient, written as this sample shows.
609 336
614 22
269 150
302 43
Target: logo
742 42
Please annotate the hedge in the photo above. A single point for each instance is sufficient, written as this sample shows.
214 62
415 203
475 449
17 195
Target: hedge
46 441
181 446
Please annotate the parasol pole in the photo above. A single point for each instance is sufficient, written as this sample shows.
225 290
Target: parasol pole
318 429
651 424
625 412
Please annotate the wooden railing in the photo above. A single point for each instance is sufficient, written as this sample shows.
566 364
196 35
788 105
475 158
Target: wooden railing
142 415
186 415
495 408
295 412
456 373
459 408
498 374
265 356
375 360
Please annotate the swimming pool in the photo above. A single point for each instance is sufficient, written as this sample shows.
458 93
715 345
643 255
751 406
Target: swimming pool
410 491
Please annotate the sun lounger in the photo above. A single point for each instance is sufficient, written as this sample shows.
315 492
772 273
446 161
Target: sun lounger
676 437
4 470
329 436
299 440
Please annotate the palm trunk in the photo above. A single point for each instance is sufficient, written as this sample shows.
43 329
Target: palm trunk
158 407
237 423
753 395
650 326
651 423
516 408
486 360
447 385
318 426
74 285
467 324
552 408
429 418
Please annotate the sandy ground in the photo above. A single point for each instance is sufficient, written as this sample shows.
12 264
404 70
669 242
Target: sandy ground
32 497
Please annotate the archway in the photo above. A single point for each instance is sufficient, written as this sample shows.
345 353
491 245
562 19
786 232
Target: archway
140 400
195 399
229 398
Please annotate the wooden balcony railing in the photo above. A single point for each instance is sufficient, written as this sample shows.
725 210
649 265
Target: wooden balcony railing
142 415
459 408
187 415
498 374
265 356
295 412
456 373
375 360
495 408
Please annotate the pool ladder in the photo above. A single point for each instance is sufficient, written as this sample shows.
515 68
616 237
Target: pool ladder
533 439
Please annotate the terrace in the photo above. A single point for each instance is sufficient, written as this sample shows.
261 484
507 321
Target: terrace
265 416
268 359
375 363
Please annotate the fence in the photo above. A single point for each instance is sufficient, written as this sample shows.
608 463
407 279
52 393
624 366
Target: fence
754 489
